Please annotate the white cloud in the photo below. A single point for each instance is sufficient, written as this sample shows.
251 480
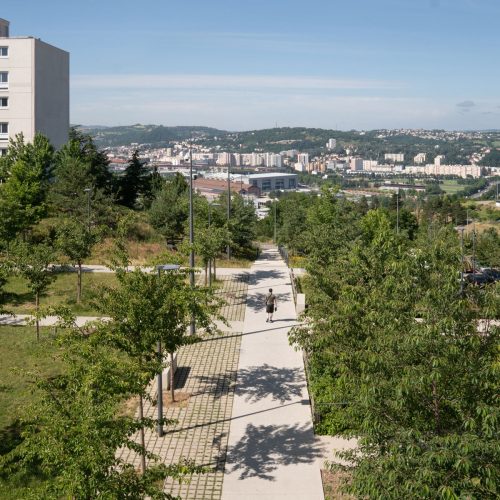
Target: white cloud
241 82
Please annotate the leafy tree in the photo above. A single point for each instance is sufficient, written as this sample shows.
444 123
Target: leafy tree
208 244
82 147
488 248
242 222
38 153
146 309
75 241
73 429
410 375
33 262
135 182
169 210
22 198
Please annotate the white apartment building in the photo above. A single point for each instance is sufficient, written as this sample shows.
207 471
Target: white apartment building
394 156
303 158
273 160
331 144
420 158
436 170
34 89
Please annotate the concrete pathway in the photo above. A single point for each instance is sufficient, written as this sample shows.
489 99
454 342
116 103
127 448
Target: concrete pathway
272 451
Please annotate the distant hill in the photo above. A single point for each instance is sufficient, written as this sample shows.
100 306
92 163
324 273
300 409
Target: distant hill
372 144
157 135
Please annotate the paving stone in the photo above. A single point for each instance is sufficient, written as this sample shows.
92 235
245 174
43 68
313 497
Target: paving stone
207 372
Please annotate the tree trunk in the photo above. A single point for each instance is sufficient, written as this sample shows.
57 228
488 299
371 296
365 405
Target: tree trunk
215 270
79 283
206 273
143 440
210 273
37 321
172 377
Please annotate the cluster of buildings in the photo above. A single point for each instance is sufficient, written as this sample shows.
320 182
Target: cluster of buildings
34 89
437 168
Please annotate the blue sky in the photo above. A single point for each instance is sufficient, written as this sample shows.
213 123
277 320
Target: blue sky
249 64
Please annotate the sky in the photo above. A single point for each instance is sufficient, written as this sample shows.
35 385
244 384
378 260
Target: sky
253 64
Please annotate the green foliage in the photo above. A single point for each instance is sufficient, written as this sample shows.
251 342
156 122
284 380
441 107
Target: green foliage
76 241
26 169
397 350
169 210
72 433
135 184
488 248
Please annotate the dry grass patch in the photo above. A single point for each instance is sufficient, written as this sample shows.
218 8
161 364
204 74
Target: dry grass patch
332 481
181 399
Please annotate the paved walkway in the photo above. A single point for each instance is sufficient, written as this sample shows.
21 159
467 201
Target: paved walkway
272 451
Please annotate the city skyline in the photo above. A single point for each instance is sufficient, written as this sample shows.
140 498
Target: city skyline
393 64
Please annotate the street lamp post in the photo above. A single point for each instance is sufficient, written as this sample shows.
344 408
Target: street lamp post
191 233
275 221
159 395
88 191
228 206
462 259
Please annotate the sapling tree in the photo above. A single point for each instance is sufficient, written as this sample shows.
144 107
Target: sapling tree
75 240
146 309
34 263
73 429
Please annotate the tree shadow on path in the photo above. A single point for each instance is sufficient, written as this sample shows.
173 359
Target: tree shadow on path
258 382
265 448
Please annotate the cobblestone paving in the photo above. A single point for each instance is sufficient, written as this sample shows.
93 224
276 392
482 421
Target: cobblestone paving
207 373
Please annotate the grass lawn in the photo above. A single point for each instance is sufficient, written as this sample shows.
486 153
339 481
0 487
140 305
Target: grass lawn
20 300
451 186
20 354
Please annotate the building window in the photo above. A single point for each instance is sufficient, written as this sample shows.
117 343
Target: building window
4 51
279 184
4 131
291 183
4 102
266 185
3 151
4 80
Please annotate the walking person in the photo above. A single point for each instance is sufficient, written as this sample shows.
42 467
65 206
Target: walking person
271 305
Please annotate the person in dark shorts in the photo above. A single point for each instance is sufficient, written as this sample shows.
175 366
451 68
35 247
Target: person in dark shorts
270 305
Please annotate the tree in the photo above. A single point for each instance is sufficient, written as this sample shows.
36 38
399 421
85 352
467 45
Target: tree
135 181
75 241
169 210
146 309
208 244
488 248
410 374
74 427
34 263
24 175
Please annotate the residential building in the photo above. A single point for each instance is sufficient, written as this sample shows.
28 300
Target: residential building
356 164
394 156
420 158
34 89
331 144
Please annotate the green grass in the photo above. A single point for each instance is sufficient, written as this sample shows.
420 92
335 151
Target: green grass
19 300
451 186
20 355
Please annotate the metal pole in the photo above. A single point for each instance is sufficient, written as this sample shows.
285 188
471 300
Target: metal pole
275 222
88 190
474 251
228 207
159 395
191 233
397 212
462 270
